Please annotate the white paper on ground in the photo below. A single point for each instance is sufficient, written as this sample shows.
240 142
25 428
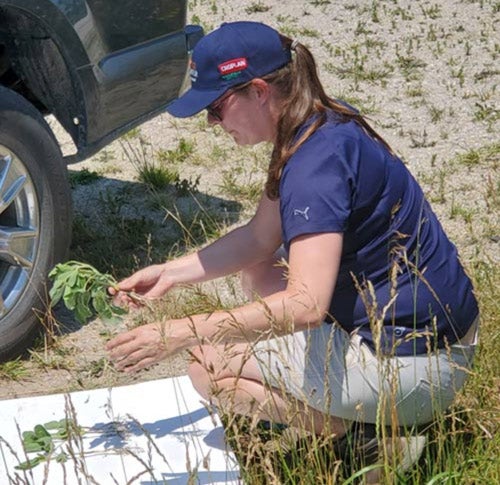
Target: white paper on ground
156 432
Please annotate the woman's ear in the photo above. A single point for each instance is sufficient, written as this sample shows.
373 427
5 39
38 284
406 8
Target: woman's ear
262 89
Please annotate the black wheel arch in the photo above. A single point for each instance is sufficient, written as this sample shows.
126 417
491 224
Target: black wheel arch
34 63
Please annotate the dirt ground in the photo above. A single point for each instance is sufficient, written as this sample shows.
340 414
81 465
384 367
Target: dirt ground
425 72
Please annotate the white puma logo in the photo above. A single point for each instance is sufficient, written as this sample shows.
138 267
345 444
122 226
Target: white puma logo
298 212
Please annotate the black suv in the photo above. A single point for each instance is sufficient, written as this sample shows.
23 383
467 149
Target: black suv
100 67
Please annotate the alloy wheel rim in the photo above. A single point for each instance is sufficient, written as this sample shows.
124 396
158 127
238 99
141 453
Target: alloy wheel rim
19 229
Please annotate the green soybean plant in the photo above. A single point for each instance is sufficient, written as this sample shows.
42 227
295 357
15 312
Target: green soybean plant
46 440
84 290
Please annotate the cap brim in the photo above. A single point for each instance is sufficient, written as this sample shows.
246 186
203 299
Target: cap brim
193 101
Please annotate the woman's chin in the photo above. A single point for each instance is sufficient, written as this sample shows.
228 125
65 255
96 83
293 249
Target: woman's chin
238 139
242 141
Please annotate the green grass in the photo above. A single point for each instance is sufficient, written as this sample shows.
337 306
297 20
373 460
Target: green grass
198 225
250 190
410 66
157 176
83 177
486 112
356 66
463 446
319 3
257 7
487 155
13 370
183 152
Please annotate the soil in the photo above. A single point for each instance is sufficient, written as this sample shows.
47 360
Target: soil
426 74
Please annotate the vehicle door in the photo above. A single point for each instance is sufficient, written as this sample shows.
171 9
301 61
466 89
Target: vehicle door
144 56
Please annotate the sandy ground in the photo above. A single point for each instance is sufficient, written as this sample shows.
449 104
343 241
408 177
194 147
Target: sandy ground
425 72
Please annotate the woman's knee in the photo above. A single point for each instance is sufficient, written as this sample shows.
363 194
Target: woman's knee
199 371
211 366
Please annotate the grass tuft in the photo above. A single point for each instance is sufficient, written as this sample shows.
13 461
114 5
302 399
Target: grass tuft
13 370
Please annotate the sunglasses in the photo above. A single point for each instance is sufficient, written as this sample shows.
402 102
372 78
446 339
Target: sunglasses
216 108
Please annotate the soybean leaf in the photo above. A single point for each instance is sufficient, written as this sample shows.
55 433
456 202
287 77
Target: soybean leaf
41 441
46 443
57 290
99 303
40 431
61 434
61 424
82 313
28 435
33 462
73 276
118 310
62 457
84 290
70 298
32 446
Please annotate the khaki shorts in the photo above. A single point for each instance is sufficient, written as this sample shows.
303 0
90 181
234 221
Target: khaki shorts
340 375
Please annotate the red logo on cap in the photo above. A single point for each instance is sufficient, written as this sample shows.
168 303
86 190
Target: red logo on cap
234 65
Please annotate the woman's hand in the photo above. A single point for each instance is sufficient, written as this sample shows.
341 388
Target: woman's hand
146 345
148 283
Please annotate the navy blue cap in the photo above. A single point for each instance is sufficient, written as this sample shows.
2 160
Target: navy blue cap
233 54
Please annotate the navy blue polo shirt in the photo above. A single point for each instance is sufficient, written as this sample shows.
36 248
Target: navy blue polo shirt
397 263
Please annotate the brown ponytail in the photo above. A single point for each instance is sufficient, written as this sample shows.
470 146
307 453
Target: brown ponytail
302 94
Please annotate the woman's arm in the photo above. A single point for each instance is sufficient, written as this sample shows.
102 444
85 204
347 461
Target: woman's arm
242 247
312 273
313 269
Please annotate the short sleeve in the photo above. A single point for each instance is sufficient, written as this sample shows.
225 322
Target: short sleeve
317 187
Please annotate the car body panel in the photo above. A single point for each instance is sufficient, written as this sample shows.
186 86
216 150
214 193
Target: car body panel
125 60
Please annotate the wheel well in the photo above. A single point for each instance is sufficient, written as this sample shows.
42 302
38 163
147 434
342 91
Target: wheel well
10 79
32 65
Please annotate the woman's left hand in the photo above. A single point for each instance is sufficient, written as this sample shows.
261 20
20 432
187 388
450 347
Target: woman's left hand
144 346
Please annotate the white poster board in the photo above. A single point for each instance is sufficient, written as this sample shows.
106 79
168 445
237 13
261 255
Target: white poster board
156 432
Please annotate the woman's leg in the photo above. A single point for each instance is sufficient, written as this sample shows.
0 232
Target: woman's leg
231 378
230 375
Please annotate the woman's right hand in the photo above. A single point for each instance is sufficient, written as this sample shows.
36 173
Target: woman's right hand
148 283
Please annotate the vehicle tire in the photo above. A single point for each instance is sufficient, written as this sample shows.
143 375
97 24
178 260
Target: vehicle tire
35 219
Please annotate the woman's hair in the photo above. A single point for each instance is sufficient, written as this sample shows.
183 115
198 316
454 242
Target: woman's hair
303 96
